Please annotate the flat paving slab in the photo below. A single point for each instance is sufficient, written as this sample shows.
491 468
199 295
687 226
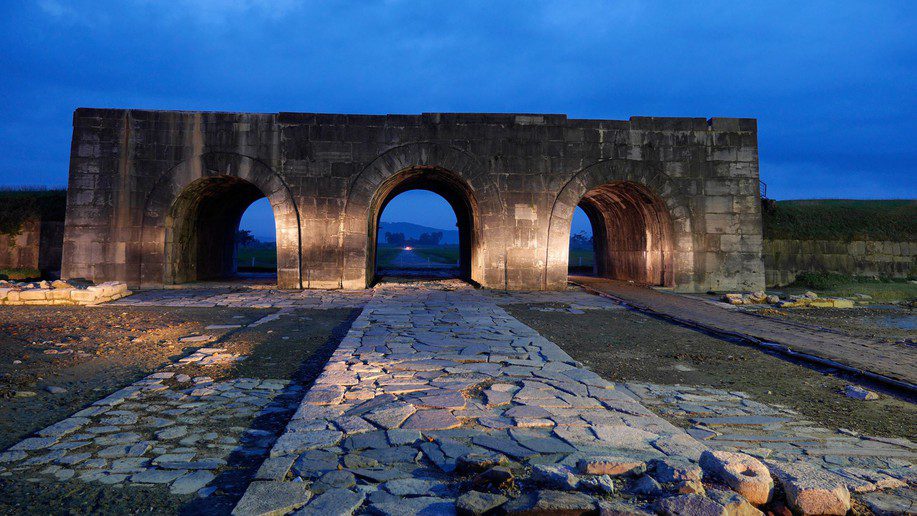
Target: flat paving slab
429 358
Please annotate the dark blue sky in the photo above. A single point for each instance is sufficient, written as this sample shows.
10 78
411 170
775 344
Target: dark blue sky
831 83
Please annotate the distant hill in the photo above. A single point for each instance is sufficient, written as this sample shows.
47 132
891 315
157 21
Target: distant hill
841 219
450 236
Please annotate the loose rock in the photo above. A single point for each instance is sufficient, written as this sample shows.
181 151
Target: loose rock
743 473
272 498
477 503
858 393
811 490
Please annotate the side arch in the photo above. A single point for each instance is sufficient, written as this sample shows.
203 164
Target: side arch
611 185
454 173
236 174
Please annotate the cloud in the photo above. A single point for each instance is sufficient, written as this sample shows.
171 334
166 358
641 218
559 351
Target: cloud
54 8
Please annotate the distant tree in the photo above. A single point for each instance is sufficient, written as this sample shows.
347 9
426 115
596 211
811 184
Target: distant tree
430 238
244 238
394 238
580 240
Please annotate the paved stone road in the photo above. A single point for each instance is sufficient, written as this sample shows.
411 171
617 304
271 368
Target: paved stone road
893 361
430 373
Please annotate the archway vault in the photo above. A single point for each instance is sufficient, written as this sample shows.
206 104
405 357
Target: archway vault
213 187
448 171
642 232
632 233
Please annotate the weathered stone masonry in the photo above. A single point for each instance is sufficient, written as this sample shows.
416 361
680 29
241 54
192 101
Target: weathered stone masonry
155 196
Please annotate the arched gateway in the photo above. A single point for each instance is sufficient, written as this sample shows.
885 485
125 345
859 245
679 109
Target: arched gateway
155 196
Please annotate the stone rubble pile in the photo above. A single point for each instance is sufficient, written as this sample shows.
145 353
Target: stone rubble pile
60 292
807 300
210 356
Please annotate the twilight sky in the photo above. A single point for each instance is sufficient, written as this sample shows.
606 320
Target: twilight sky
832 84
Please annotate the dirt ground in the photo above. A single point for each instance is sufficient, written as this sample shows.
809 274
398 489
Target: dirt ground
90 352
884 323
293 347
623 345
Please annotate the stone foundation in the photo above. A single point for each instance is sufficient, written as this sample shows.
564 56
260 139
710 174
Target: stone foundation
92 295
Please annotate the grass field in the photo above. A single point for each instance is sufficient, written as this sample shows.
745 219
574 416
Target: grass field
386 254
839 219
837 285
440 254
262 258
581 258
19 274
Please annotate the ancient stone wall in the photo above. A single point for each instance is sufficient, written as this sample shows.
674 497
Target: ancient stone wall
145 187
37 246
785 259
21 250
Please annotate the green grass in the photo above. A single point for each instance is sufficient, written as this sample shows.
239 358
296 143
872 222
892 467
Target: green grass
838 219
385 255
21 273
265 258
838 285
577 254
440 254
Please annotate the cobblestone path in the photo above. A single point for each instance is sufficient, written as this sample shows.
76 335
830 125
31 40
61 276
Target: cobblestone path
429 374
169 428
731 421
897 362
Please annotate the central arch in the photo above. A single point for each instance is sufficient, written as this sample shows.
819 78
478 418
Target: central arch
443 183
449 168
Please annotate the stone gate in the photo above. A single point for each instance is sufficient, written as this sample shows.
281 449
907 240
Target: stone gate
155 197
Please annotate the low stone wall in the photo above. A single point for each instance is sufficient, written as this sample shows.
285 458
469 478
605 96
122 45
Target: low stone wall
48 295
785 259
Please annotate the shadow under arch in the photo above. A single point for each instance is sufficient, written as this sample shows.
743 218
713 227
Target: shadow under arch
216 188
641 231
458 172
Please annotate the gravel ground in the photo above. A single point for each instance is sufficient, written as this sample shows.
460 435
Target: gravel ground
90 352
622 345
884 323
293 347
